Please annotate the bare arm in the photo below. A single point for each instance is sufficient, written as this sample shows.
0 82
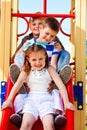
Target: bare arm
55 55
54 60
62 88
14 90
24 45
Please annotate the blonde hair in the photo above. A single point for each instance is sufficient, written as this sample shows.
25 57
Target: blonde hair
32 19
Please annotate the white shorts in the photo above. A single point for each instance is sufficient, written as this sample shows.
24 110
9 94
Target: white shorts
39 104
19 102
58 101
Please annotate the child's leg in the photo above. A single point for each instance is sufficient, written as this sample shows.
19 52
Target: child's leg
16 119
59 118
64 59
65 74
16 67
58 103
14 74
47 122
19 102
19 59
27 122
64 69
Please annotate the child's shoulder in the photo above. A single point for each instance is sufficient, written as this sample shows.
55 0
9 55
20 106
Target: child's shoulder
32 40
27 37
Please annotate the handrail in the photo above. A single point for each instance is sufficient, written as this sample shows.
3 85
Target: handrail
43 15
24 15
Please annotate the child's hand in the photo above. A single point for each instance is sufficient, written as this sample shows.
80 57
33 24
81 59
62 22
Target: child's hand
70 106
6 104
50 88
26 43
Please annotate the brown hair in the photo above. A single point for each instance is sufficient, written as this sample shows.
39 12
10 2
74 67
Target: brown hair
52 23
33 48
57 40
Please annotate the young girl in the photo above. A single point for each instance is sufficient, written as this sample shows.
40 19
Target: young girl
38 74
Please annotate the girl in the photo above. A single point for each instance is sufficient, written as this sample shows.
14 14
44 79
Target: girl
38 74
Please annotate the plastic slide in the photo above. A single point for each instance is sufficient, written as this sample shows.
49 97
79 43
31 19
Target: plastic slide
7 125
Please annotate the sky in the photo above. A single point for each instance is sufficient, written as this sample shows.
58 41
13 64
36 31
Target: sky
53 6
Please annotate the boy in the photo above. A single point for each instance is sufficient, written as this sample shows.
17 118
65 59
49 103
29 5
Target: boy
18 58
61 61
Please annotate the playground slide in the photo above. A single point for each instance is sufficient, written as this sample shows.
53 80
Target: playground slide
7 125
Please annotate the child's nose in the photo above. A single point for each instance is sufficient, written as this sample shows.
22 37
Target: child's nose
37 62
37 26
48 38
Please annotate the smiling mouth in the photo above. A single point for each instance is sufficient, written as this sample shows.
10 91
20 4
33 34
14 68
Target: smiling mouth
38 66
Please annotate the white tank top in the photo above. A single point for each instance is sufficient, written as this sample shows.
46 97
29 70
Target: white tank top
38 81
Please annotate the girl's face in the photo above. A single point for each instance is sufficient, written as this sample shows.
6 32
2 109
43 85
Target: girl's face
47 34
35 27
37 60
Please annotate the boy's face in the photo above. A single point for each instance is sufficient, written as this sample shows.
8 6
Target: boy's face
47 34
35 26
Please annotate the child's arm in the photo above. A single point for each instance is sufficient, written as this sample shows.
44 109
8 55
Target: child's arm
54 60
24 46
62 88
14 90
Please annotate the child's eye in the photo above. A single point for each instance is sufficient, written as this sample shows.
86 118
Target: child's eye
52 36
41 58
33 59
34 24
40 23
47 33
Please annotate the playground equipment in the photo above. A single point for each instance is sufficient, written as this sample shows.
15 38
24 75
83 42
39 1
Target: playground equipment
8 36
7 125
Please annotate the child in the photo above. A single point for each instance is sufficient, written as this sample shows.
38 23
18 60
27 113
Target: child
61 61
47 33
18 58
38 74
